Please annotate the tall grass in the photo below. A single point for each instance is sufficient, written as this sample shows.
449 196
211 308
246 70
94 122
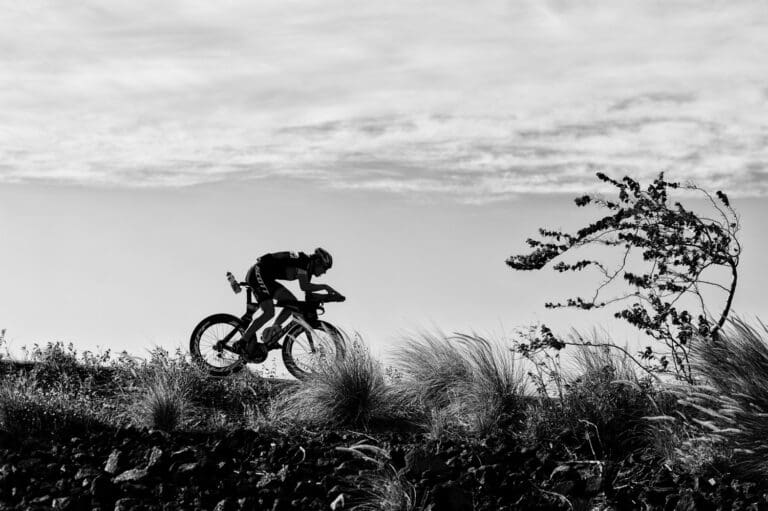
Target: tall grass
351 392
462 383
163 400
430 366
731 403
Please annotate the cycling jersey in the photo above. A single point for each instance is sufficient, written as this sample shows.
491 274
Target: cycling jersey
276 266
283 265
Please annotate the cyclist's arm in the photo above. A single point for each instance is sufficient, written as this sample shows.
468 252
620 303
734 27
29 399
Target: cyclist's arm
309 287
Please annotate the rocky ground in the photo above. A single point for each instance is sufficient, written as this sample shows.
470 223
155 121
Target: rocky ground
131 469
268 468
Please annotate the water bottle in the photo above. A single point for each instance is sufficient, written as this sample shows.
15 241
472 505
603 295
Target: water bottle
233 282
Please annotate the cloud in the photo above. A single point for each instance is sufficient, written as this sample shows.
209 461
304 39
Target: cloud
475 103
653 97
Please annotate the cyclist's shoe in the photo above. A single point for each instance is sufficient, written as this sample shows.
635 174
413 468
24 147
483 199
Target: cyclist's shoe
271 336
239 347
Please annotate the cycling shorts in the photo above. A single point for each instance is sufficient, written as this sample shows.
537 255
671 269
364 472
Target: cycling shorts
263 284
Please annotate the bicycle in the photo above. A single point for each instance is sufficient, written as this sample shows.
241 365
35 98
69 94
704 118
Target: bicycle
304 342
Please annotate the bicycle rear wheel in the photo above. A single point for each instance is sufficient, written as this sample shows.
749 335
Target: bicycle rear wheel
206 344
305 349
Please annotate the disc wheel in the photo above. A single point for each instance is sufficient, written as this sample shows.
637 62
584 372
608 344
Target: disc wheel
206 342
305 348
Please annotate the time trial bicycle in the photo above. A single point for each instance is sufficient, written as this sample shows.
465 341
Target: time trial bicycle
305 341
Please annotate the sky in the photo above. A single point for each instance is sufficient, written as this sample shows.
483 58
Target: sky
147 148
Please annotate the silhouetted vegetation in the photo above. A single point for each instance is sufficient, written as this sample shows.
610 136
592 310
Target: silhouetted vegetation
598 432
667 252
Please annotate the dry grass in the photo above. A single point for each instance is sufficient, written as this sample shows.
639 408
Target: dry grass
463 383
383 488
430 365
387 490
28 410
163 398
730 406
351 392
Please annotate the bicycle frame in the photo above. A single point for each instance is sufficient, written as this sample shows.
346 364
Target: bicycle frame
308 310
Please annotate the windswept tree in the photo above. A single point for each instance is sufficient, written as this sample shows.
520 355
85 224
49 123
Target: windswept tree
668 255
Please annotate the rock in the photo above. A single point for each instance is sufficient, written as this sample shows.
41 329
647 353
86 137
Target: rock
126 504
247 503
183 455
42 500
113 462
155 458
135 474
225 505
62 503
86 472
187 468
338 502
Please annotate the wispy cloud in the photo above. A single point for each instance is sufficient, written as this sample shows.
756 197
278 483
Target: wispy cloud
478 102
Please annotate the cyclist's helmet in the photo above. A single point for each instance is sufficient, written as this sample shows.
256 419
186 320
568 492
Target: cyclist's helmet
324 257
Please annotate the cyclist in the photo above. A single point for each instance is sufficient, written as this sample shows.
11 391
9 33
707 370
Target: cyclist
263 277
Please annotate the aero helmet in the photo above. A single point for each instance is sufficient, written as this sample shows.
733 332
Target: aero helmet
324 256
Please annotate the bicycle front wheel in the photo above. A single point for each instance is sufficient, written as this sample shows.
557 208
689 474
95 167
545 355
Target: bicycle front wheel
207 344
305 349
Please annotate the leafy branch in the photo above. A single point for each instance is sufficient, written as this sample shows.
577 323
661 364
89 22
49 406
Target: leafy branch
677 245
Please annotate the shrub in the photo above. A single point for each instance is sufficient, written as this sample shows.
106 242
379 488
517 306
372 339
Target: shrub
55 365
603 406
350 392
27 410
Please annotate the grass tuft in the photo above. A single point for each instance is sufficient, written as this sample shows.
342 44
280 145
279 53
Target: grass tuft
387 490
351 392
429 366
384 488
462 383
163 401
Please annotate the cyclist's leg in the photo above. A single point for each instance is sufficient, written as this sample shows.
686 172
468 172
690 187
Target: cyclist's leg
273 333
264 288
267 312
283 293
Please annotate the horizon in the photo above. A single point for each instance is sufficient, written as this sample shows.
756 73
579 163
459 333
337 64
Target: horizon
148 149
